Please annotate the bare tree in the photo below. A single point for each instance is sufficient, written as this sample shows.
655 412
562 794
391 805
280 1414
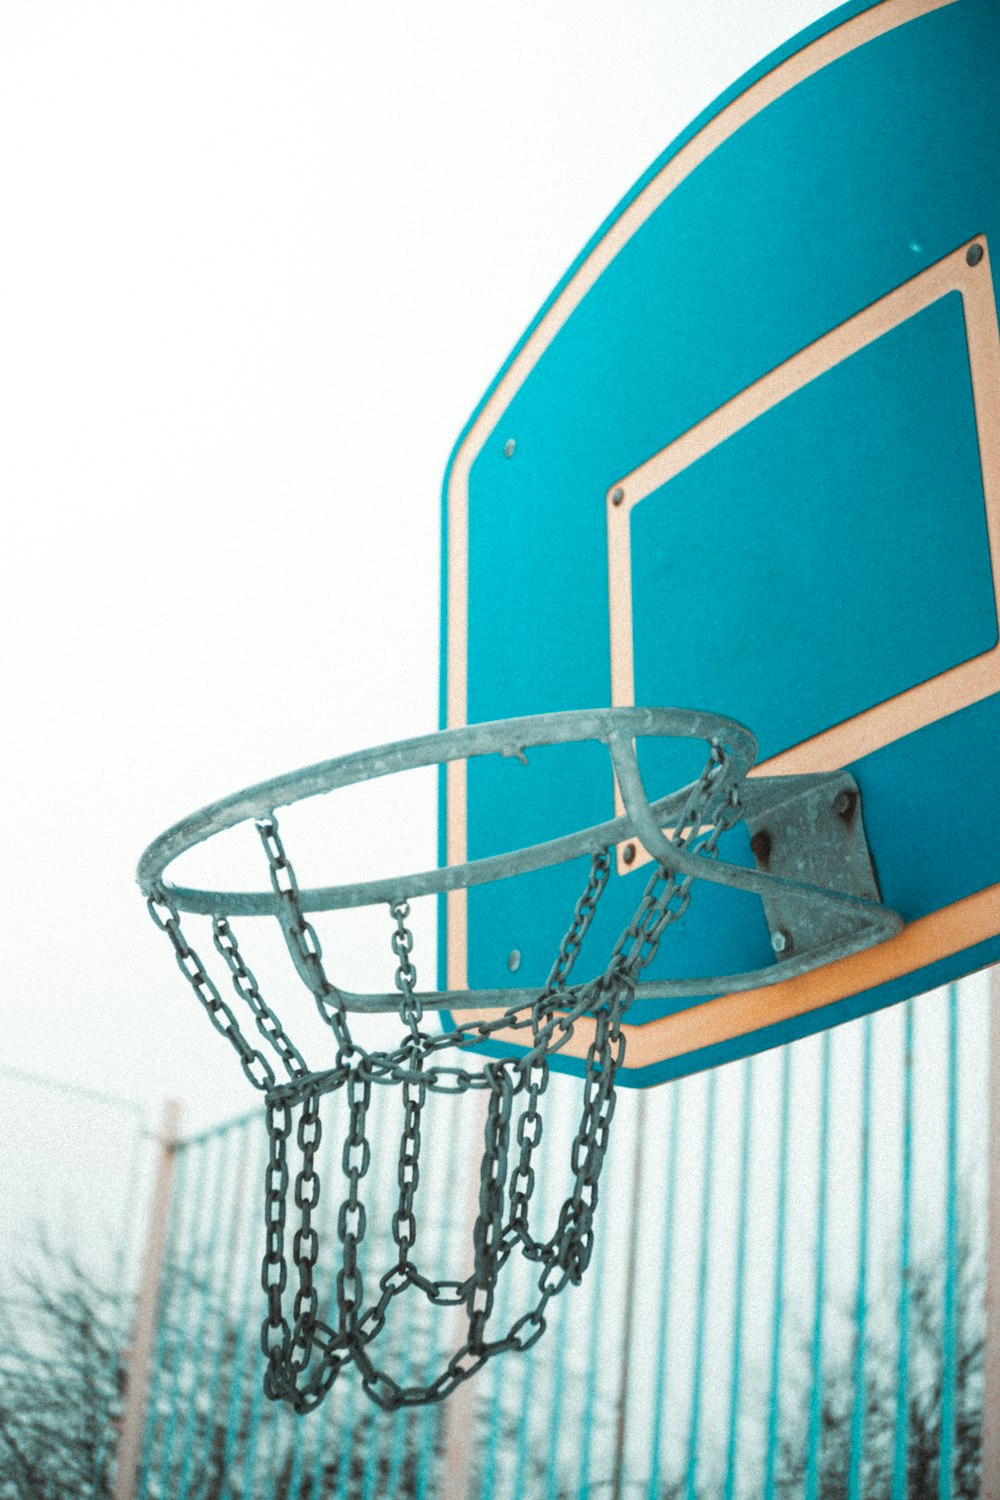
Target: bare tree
209 1433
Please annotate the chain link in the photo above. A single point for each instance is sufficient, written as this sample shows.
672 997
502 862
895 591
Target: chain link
304 1353
300 936
245 986
253 1062
410 1008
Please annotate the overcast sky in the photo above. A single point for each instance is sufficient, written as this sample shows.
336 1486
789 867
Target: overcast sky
259 264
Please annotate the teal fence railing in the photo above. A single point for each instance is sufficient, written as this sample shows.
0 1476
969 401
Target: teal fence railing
786 1298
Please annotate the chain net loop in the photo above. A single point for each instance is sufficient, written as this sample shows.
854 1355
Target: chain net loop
307 1342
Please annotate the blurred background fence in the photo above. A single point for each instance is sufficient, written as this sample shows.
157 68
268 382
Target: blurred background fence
786 1297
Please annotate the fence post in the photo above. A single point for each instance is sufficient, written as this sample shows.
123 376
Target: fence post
133 1419
991 1373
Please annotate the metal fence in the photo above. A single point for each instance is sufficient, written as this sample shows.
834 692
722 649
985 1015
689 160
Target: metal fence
786 1297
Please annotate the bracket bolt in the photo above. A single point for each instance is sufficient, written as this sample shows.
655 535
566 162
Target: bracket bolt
781 941
514 960
760 847
844 803
974 255
628 854
617 495
508 448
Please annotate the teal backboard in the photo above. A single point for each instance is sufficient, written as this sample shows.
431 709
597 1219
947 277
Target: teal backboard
747 460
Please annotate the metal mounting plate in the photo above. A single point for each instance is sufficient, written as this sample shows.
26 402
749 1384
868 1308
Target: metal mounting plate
809 829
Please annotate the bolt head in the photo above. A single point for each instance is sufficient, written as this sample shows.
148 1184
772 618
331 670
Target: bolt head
780 941
509 447
974 255
617 495
628 854
514 960
760 846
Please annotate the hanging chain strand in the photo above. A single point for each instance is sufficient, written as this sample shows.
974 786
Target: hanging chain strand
305 1352
253 1062
300 936
410 1008
246 987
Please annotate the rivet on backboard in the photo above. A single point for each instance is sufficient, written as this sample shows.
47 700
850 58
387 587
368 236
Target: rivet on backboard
508 448
617 495
780 941
628 854
514 960
974 254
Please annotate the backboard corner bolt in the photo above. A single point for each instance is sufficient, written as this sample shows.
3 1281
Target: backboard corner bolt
974 254
509 448
628 854
617 495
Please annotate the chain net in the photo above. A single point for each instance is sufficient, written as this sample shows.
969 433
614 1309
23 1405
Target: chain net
304 1351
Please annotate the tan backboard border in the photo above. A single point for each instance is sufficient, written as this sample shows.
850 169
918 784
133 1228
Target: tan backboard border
923 942
970 681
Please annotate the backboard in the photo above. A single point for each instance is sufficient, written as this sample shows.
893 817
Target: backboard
747 460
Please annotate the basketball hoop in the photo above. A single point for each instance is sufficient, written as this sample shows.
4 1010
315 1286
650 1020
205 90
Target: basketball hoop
828 916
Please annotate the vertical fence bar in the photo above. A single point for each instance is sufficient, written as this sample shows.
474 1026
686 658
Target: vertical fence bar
816 1394
256 1409
991 1360
699 1339
323 1420
552 1485
399 1423
621 1414
376 1424
244 1349
903 1362
419 1436
429 1419
950 1259
224 1268
663 1321
273 1425
460 1411
541 1201
346 1455
861 1302
781 1206
593 1346
137 1379
495 1437
739 1281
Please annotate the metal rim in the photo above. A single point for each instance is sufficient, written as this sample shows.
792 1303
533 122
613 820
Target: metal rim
614 727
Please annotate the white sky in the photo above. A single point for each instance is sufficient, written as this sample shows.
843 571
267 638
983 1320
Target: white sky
259 263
